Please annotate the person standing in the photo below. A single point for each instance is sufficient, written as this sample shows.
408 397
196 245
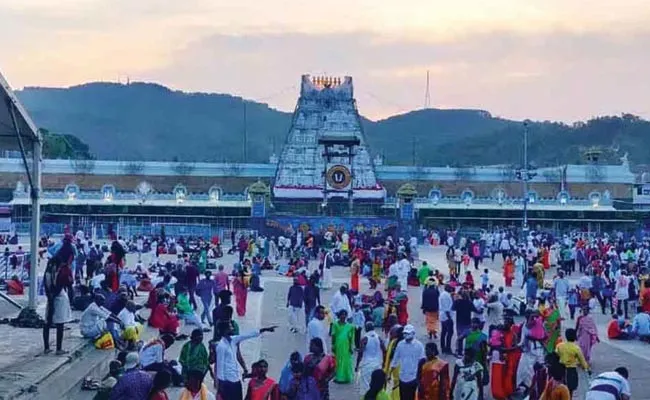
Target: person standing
430 308
355 268
57 283
370 356
241 293
409 356
321 366
295 300
227 371
312 297
261 387
434 377
343 347
464 309
318 328
445 309
467 382
205 290
561 286
570 356
587 333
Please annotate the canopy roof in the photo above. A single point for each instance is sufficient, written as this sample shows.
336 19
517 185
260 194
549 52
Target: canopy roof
26 127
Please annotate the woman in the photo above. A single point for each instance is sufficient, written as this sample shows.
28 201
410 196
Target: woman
396 335
161 381
241 293
303 386
434 378
321 366
587 333
163 319
194 355
520 270
504 370
552 325
354 274
260 386
328 259
467 382
286 374
57 284
508 271
555 388
371 353
343 347
376 270
478 341
376 390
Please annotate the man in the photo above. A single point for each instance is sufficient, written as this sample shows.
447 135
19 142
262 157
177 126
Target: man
409 357
295 300
641 325
464 309
92 322
152 357
610 386
402 270
134 384
318 328
430 307
445 308
340 301
226 368
561 286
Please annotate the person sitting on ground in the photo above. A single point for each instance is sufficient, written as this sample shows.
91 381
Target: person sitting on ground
81 302
194 355
132 328
152 358
184 308
134 383
128 280
114 373
618 328
641 325
163 319
93 321
15 286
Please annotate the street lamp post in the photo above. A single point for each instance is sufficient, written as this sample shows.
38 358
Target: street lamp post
525 174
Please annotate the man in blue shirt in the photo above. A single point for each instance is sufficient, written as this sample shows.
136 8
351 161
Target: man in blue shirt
641 325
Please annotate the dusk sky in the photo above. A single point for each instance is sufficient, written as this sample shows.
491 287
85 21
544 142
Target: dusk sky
540 59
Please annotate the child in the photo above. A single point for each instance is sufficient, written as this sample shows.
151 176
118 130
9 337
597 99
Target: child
469 279
485 279
570 356
359 321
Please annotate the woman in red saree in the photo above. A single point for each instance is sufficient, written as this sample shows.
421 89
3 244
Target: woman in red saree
163 319
504 373
260 386
354 275
434 378
508 271
546 258
241 293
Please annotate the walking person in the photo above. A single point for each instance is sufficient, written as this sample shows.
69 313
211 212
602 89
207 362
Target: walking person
312 297
57 283
445 309
318 328
370 356
409 356
205 290
295 300
430 308
343 347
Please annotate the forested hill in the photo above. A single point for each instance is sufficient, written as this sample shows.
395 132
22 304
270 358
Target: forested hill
143 121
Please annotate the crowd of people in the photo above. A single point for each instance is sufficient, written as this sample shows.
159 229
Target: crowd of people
366 329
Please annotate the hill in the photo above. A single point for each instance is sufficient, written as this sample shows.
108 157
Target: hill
143 121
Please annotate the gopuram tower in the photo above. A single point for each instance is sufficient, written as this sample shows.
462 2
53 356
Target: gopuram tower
325 158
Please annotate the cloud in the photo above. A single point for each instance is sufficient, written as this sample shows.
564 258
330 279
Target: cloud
563 76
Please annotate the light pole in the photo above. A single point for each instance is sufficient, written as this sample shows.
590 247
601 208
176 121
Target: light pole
525 174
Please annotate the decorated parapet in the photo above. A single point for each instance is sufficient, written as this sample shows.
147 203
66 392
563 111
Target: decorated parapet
406 193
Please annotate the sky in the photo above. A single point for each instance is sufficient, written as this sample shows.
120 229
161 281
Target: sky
562 60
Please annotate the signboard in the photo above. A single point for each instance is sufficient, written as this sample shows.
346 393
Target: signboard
258 208
338 177
408 211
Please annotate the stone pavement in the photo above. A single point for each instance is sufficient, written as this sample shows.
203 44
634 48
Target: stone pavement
268 308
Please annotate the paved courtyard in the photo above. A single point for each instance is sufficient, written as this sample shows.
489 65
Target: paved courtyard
268 308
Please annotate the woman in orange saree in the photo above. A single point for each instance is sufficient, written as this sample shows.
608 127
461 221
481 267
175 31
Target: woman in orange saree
504 372
508 271
434 379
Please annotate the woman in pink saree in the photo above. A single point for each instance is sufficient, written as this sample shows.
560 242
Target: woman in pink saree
587 333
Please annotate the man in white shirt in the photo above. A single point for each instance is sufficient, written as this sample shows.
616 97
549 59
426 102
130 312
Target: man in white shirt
318 328
226 368
445 303
610 386
340 301
409 353
402 271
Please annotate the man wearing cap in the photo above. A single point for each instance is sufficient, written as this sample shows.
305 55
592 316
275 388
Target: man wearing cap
134 384
409 356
